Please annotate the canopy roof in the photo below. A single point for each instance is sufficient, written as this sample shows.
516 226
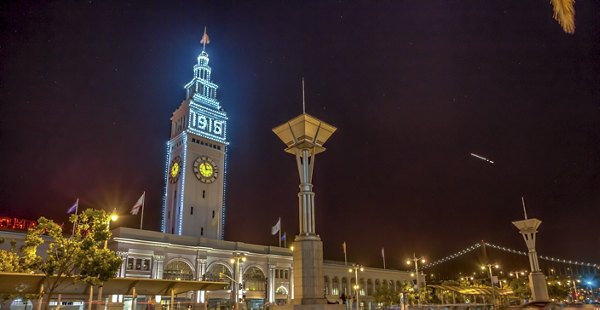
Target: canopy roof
465 290
23 283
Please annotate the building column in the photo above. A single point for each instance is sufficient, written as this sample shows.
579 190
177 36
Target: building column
271 275
200 271
291 281
157 271
123 269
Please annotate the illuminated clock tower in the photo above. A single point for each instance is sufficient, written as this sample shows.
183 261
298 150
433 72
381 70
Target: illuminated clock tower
196 166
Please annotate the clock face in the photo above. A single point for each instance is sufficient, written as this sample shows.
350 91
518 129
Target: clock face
175 169
205 169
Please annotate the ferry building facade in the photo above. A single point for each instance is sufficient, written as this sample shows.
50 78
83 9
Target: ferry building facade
191 246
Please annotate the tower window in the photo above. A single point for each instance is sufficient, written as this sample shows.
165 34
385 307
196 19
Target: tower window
201 231
203 194
213 214
192 210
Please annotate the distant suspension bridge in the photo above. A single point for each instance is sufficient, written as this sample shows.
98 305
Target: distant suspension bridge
593 268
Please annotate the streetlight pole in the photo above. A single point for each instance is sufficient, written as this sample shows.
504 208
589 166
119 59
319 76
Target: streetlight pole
489 266
356 268
112 218
237 257
416 262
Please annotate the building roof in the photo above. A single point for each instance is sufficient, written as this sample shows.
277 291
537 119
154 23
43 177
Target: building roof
23 283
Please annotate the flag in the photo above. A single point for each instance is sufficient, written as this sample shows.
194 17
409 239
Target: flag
205 40
344 247
74 207
283 237
139 204
275 229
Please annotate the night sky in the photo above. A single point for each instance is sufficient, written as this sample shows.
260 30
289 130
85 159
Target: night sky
414 87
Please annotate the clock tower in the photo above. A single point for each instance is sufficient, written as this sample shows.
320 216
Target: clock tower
196 166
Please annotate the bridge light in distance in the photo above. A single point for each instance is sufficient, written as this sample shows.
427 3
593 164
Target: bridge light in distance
423 261
408 262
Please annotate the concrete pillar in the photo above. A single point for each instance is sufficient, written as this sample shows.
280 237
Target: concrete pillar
272 288
157 272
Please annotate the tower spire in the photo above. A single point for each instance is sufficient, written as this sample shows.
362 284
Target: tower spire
205 40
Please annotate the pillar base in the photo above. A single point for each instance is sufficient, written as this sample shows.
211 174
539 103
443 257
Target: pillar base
309 288
537 284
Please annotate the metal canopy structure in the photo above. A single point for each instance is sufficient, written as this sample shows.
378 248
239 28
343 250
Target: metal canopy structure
474 290
23 283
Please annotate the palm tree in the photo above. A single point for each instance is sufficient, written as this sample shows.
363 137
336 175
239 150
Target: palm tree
564 13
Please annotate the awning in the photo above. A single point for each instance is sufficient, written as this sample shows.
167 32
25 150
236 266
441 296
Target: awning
468 290
23 283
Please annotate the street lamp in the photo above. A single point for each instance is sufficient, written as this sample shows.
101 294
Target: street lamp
516 274
416 262
356 268
235 260
114 216
489 266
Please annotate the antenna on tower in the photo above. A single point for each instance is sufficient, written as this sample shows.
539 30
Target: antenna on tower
524 209
303 102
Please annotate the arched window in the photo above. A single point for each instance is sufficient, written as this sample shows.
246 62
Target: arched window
335 286
254 279
281 290
213 274
369 287
178 270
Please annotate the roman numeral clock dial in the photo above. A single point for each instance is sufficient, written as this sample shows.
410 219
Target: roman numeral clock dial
205 169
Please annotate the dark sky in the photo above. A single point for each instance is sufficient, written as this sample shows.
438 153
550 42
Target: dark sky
87 90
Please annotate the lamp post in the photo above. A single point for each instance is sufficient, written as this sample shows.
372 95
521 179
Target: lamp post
304 137
114 216
237 281
356 268
489 267
516 274
416 262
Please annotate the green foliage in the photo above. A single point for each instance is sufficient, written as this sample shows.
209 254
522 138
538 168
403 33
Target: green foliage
9 259
386 295
558 291
520 288
82 255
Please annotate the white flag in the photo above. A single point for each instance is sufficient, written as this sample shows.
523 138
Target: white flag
275 229
139 204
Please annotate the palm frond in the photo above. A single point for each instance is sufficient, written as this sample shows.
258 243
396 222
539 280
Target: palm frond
564 14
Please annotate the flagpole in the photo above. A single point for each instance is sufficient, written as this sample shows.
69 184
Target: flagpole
279 232
345 256
383 256
142 217
76 207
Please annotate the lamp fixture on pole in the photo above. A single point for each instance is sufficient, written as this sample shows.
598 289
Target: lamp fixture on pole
356 268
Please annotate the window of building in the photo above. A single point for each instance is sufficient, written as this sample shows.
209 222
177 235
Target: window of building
213 214
201 231
191 210
142 264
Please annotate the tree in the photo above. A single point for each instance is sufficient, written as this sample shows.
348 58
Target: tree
9 259
386 295
82 255
520 288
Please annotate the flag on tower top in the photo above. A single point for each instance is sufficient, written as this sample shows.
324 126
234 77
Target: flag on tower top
139 204
205 40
